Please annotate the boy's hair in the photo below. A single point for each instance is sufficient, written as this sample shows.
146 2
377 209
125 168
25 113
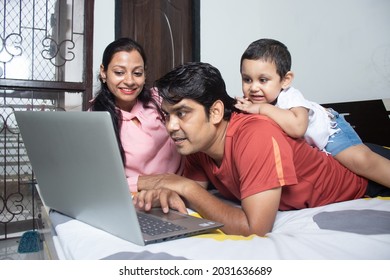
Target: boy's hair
198 81
269 50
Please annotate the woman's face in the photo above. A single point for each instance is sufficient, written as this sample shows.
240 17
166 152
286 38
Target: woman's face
125 78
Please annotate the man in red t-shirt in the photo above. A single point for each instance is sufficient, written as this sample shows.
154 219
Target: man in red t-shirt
247 158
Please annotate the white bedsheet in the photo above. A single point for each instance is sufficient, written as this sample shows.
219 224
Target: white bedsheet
358 229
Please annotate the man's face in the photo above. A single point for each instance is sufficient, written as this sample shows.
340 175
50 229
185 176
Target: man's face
189 126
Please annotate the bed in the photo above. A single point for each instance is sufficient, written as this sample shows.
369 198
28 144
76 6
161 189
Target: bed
353 230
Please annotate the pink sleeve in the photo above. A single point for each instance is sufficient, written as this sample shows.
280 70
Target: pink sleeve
132 182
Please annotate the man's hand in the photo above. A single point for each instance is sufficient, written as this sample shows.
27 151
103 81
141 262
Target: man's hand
163 197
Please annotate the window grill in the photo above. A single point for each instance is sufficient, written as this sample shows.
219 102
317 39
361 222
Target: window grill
42 40
44 66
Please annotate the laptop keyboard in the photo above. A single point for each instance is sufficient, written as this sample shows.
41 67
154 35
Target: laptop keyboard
154 226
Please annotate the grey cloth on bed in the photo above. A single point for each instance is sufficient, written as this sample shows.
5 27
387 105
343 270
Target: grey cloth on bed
145 255
375 222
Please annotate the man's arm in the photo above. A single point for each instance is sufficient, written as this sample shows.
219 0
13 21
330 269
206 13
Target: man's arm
148 182
256 215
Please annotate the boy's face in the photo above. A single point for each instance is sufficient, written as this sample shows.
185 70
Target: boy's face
260 81
188 126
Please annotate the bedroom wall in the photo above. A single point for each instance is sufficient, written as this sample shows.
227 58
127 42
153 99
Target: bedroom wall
104 33
340 49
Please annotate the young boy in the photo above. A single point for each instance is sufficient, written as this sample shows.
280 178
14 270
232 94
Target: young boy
266 84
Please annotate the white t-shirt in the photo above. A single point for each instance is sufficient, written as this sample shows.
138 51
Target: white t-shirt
319 128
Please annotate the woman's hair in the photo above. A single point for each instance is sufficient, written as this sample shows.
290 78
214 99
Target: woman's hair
198 81
104 99
269 50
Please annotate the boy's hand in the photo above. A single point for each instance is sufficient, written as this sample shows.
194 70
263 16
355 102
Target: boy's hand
247 106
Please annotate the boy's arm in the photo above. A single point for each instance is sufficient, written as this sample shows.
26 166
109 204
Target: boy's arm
293 121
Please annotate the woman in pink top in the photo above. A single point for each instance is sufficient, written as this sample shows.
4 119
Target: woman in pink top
143 141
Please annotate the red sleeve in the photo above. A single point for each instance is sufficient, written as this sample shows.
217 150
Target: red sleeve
263 157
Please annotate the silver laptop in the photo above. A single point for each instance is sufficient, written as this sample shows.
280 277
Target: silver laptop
77 164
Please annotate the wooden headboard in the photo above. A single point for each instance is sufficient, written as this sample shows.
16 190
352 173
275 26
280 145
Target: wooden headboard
369 118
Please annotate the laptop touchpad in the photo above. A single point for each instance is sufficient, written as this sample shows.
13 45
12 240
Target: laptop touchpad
171 215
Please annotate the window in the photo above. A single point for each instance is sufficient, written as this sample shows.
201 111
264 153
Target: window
44 65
